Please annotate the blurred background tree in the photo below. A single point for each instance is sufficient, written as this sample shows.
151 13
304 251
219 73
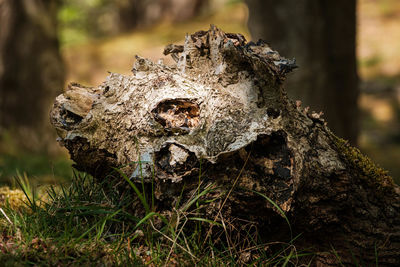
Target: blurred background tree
83 19
139 13
31 70
97 36
321 35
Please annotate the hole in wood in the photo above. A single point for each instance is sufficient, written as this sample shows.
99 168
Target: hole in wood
177 116
273 113
175 159
69 118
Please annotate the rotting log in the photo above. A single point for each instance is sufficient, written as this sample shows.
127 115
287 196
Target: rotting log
221 113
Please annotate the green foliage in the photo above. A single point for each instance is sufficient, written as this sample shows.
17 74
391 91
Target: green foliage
83 19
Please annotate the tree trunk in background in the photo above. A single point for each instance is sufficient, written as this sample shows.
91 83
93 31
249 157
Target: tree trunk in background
31 69
134 13
131 13
321 36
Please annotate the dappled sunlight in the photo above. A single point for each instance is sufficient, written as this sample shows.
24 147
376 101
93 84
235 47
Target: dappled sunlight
378 38
379 70
380 109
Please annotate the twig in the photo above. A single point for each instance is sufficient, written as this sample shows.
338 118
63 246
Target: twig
176 238
227 196
5 215
170 239
226 235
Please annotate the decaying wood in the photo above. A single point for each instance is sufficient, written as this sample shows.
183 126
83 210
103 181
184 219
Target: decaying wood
221 113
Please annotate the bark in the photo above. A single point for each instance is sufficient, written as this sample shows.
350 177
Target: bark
31 69
222 114
322 37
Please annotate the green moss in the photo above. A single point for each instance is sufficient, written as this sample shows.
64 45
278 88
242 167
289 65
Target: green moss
364 168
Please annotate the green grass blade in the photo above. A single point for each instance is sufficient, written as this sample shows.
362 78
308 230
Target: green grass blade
145 218
140 195
149 216
278 208
337 256
95 225
197 197
23 183
288 258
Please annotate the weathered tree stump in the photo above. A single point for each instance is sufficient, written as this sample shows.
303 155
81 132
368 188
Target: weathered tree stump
221 114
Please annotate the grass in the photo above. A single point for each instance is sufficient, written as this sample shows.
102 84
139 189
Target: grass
93 223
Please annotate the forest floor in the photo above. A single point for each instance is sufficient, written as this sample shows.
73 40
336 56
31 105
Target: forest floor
80 224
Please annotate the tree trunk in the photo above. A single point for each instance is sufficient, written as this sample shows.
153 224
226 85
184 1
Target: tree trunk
131 13
322 37
136 13
31 69
221 115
